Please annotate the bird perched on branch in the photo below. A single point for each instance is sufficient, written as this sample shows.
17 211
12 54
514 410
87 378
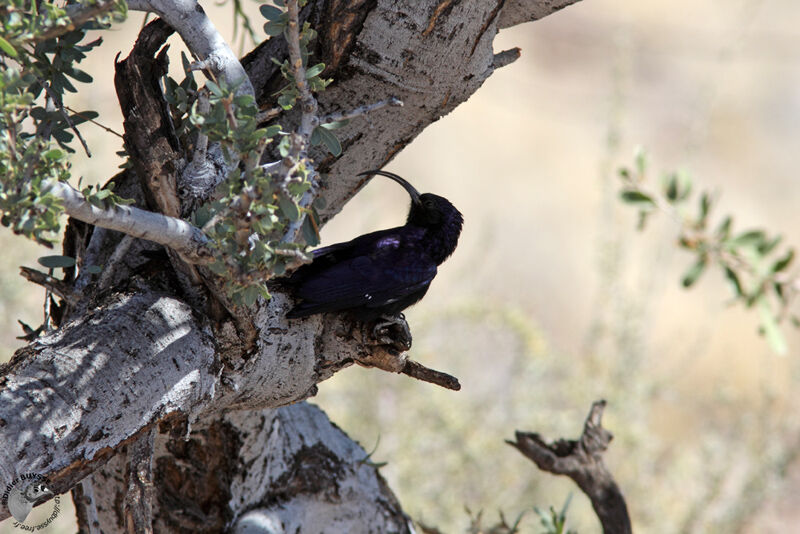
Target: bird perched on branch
378 275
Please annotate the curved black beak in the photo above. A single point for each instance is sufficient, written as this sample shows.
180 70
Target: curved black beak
407 186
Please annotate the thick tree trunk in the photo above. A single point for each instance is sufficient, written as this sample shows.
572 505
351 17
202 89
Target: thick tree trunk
232 448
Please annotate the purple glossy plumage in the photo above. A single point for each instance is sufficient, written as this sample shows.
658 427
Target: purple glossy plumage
384 272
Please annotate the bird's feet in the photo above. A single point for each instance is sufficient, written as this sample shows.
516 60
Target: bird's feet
393 330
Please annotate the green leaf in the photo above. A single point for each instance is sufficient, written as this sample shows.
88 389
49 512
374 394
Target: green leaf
288 208
765 247
6 47
784 262
694 272
270 12
770 328
80 76
320 203
56 262
705 207
187 65
750 238
724 229
53 154
310 233
214 88
316 70
632 196
272 130
93 269
640 156
335 125
671 188
328 139
733 278
250 294
274 28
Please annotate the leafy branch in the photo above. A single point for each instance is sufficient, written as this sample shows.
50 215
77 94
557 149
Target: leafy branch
752 261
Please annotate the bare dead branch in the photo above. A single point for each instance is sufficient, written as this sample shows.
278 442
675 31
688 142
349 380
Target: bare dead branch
119 253
582 461
96 123
506 57
416 370
361 110
139 479
519 11
62 289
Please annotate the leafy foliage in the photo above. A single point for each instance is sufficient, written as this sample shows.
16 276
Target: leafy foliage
555 522
250 213
39 50
752 261
252 210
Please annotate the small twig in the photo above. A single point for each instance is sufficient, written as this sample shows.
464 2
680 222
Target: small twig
268 114
54 285
506 57
426 374
119 253
47 293
203 107
308 104
57 101
361 110
87 119
138 504
199 65
79 15
582 461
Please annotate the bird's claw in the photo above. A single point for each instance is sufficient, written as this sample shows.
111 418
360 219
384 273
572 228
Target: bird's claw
393 330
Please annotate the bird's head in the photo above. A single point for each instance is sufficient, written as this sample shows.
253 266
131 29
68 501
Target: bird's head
427 210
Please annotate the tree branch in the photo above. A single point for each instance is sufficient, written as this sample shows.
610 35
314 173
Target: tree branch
313 467
361 110
187 240
79 15
308 104
520 11
138 506
582 461
189 19
69 400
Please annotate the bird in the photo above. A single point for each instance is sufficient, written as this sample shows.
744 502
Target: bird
21 501
380 274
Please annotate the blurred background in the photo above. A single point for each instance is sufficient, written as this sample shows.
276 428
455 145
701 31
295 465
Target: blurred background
553 298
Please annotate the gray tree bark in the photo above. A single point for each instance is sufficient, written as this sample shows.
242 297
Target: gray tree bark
151 364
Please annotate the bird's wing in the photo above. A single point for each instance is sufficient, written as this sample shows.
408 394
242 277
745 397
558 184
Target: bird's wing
385 274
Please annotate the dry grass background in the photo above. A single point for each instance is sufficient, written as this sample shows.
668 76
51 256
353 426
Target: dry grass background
553 299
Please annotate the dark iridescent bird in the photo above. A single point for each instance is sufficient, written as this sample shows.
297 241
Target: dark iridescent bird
378 275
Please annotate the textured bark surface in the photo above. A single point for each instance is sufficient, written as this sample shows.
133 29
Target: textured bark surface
232 449
582 461
284 470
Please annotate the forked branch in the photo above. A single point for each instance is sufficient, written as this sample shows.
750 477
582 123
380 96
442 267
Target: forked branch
582 461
